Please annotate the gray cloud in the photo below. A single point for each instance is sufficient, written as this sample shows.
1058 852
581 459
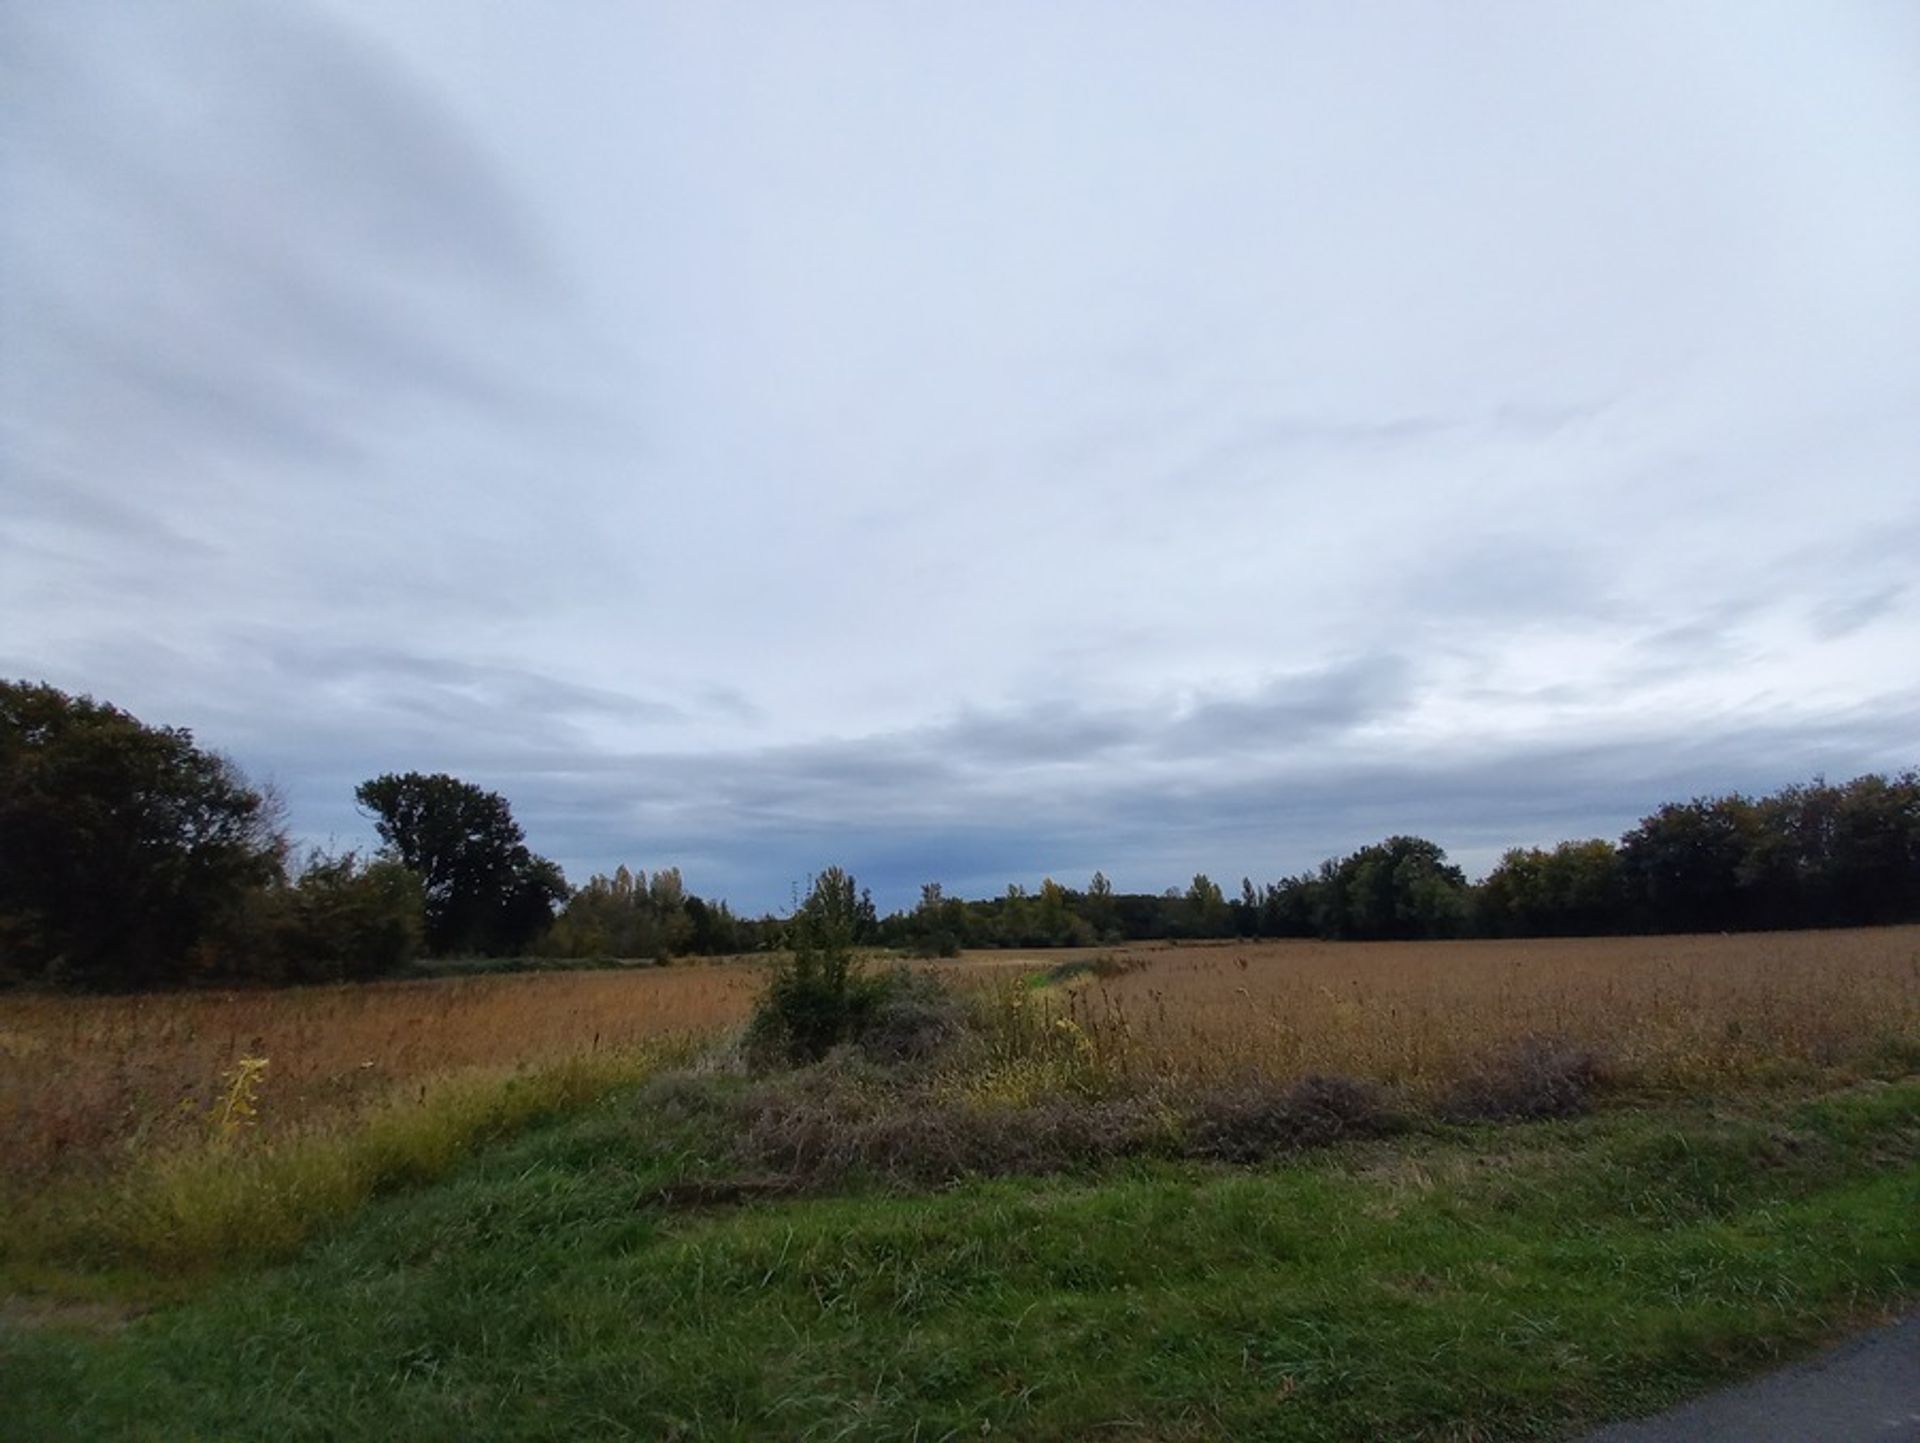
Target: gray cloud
958 444
1842 616
1290 712
900 814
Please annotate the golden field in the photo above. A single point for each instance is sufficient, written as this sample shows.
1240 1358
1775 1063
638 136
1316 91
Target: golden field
87 1082
1695 1012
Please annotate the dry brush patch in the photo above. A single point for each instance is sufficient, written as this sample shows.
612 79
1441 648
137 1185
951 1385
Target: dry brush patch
87 1083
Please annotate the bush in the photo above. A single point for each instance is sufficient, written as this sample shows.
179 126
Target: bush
914 1019
820 996
1537 1077
342 920
849 1120
810 1007
1256 1121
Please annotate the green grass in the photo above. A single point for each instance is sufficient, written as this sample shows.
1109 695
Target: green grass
175 1217
1481 1283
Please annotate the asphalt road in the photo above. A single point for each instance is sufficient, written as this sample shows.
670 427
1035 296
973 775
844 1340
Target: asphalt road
1864 1391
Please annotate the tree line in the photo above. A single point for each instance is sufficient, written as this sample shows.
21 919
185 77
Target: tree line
1810 855
131 857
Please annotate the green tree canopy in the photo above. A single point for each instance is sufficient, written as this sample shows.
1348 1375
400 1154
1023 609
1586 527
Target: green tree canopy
485 891
1400 888
122 845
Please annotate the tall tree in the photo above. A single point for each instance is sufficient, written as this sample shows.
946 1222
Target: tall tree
1684 866
1401 888
1204 910
1102 914
122 845
485 891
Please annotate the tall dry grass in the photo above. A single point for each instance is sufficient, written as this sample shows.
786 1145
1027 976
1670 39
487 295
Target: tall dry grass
87 1083
1664 1012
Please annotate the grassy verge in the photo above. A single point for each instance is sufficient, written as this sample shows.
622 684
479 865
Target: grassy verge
1484 1282
176 1216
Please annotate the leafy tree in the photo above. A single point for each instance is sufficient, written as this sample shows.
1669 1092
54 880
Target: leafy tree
342 919
1401 888
630 914
1246 911
1874 871
1101 913
122 845
938 924
1294 906
714 929
485 891
1016 920
1827 856
1204 908
820 996
1575 890
1684 865
1053 919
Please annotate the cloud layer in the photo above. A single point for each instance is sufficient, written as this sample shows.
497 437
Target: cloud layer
972 443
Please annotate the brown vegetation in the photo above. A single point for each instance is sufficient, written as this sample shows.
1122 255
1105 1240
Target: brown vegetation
86 1080
1521 1028
1699 1012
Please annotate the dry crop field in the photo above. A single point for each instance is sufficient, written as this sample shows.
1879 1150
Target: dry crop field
1695 1013
86 1080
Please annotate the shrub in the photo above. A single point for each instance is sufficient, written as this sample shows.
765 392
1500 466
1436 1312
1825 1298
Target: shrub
850 1120
1105 966
820 996
913 1020
1260 1120
341 920
1537 1077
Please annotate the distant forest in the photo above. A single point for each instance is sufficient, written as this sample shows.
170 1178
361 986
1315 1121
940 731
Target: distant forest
130 857
1813 855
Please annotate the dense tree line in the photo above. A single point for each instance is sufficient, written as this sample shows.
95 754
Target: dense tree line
630 914
131 857
123 847
1815 855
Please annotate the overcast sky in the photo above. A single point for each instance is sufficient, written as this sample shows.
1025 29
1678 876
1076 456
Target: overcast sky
972 441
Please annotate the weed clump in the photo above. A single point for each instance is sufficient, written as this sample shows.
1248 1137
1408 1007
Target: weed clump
1260 1120
850 1120
913 1020
1104 966
845 1121
1535 1078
